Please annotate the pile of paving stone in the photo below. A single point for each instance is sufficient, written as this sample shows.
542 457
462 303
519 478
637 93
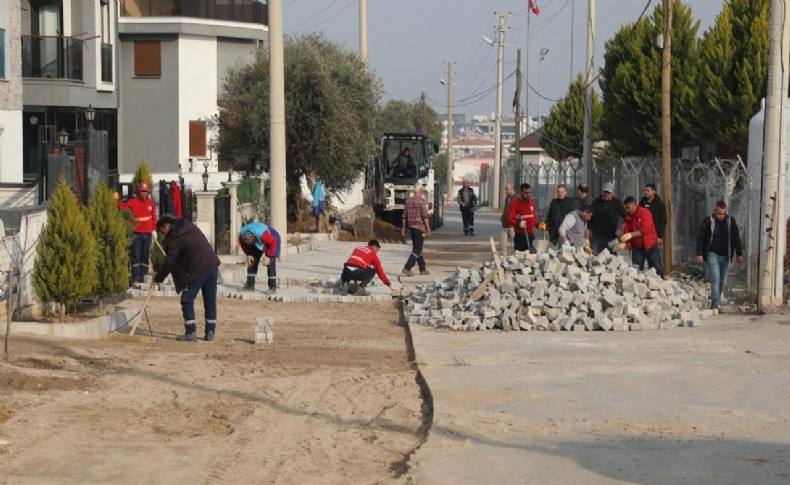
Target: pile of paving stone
558 290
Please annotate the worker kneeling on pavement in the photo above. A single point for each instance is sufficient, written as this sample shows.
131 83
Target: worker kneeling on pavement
363 264
257 240
195 267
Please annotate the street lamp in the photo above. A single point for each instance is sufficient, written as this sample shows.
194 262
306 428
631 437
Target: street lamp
230 174
205 176
543 53
63 138
90 115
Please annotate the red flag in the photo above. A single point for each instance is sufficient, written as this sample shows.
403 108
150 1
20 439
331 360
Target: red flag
533 4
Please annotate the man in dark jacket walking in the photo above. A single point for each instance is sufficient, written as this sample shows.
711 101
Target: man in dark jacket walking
195 267
467 201
652 202
558 209
607 212
718 240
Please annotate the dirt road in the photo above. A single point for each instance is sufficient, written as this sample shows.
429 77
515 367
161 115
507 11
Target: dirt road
334 400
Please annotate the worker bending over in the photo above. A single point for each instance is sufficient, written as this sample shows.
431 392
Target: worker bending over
258 240
363 264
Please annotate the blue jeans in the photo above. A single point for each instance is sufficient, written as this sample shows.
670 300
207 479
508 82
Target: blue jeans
523 241
416 249
653 257
207 283
717 269
141 251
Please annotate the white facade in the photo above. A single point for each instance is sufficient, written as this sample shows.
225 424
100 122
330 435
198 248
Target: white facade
11 146
10 95
197 93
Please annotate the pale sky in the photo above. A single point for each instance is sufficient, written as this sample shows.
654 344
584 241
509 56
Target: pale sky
409 42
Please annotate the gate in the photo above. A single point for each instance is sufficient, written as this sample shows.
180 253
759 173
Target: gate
222 222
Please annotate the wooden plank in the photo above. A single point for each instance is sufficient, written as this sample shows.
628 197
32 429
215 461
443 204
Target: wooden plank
500 273
480 291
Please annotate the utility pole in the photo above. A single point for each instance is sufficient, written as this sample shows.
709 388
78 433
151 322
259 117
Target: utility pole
363 30
422 106
517 98
526 77
573 22
769 291
498 122
666 130
587 151
450 179
278 201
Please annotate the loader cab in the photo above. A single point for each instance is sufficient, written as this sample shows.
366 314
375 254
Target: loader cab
406 158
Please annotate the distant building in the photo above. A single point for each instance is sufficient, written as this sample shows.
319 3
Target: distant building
10 95
174 55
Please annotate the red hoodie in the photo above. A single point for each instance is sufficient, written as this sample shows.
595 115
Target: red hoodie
526 211
144 211
641 221
364 257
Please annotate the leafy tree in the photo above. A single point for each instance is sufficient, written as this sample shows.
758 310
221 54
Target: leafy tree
110 231
440 169
142 174
331 100
65 265
631 83
401 116
563 132
734 56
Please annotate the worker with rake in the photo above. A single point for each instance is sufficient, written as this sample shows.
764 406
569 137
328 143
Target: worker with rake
194 265
258 240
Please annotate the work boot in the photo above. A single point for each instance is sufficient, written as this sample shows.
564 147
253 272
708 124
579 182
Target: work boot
187 337
209 335
248 287
271 291
343 288
361 291
424 272
407 272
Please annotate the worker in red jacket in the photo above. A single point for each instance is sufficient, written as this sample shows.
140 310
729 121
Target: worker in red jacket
144 211
640 234
522 218
363 264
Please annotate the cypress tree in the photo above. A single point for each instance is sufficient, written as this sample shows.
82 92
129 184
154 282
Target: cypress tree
64 270
142 174
110 233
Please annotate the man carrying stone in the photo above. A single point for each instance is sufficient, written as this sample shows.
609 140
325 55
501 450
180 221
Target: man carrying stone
607 212
361 267
639 233
652 202
257 240
506 234
522 218
191 260
558 209
415 219
718 240
467 201
573 229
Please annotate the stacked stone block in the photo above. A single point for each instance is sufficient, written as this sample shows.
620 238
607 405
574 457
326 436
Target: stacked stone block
560 290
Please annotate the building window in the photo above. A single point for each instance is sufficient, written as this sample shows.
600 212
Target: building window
147 58
2 53
197 139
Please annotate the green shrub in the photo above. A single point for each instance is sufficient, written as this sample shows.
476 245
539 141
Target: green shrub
142 174
112 236
64 270
249 190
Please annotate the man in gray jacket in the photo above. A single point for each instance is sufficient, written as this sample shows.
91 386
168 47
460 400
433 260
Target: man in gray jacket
573 229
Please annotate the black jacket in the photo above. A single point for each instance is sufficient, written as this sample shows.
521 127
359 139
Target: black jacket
659 213
188 255
472 198
558 209
705 237
605 219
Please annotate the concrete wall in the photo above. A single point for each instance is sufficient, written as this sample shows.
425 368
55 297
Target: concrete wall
149 109
231 53
11 96
24 228
197 91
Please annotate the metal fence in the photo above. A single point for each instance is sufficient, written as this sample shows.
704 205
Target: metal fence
696 186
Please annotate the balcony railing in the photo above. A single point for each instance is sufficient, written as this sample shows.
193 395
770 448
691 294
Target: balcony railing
106 63
249 11
52 57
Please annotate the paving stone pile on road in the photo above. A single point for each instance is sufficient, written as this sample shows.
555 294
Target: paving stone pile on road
559 290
